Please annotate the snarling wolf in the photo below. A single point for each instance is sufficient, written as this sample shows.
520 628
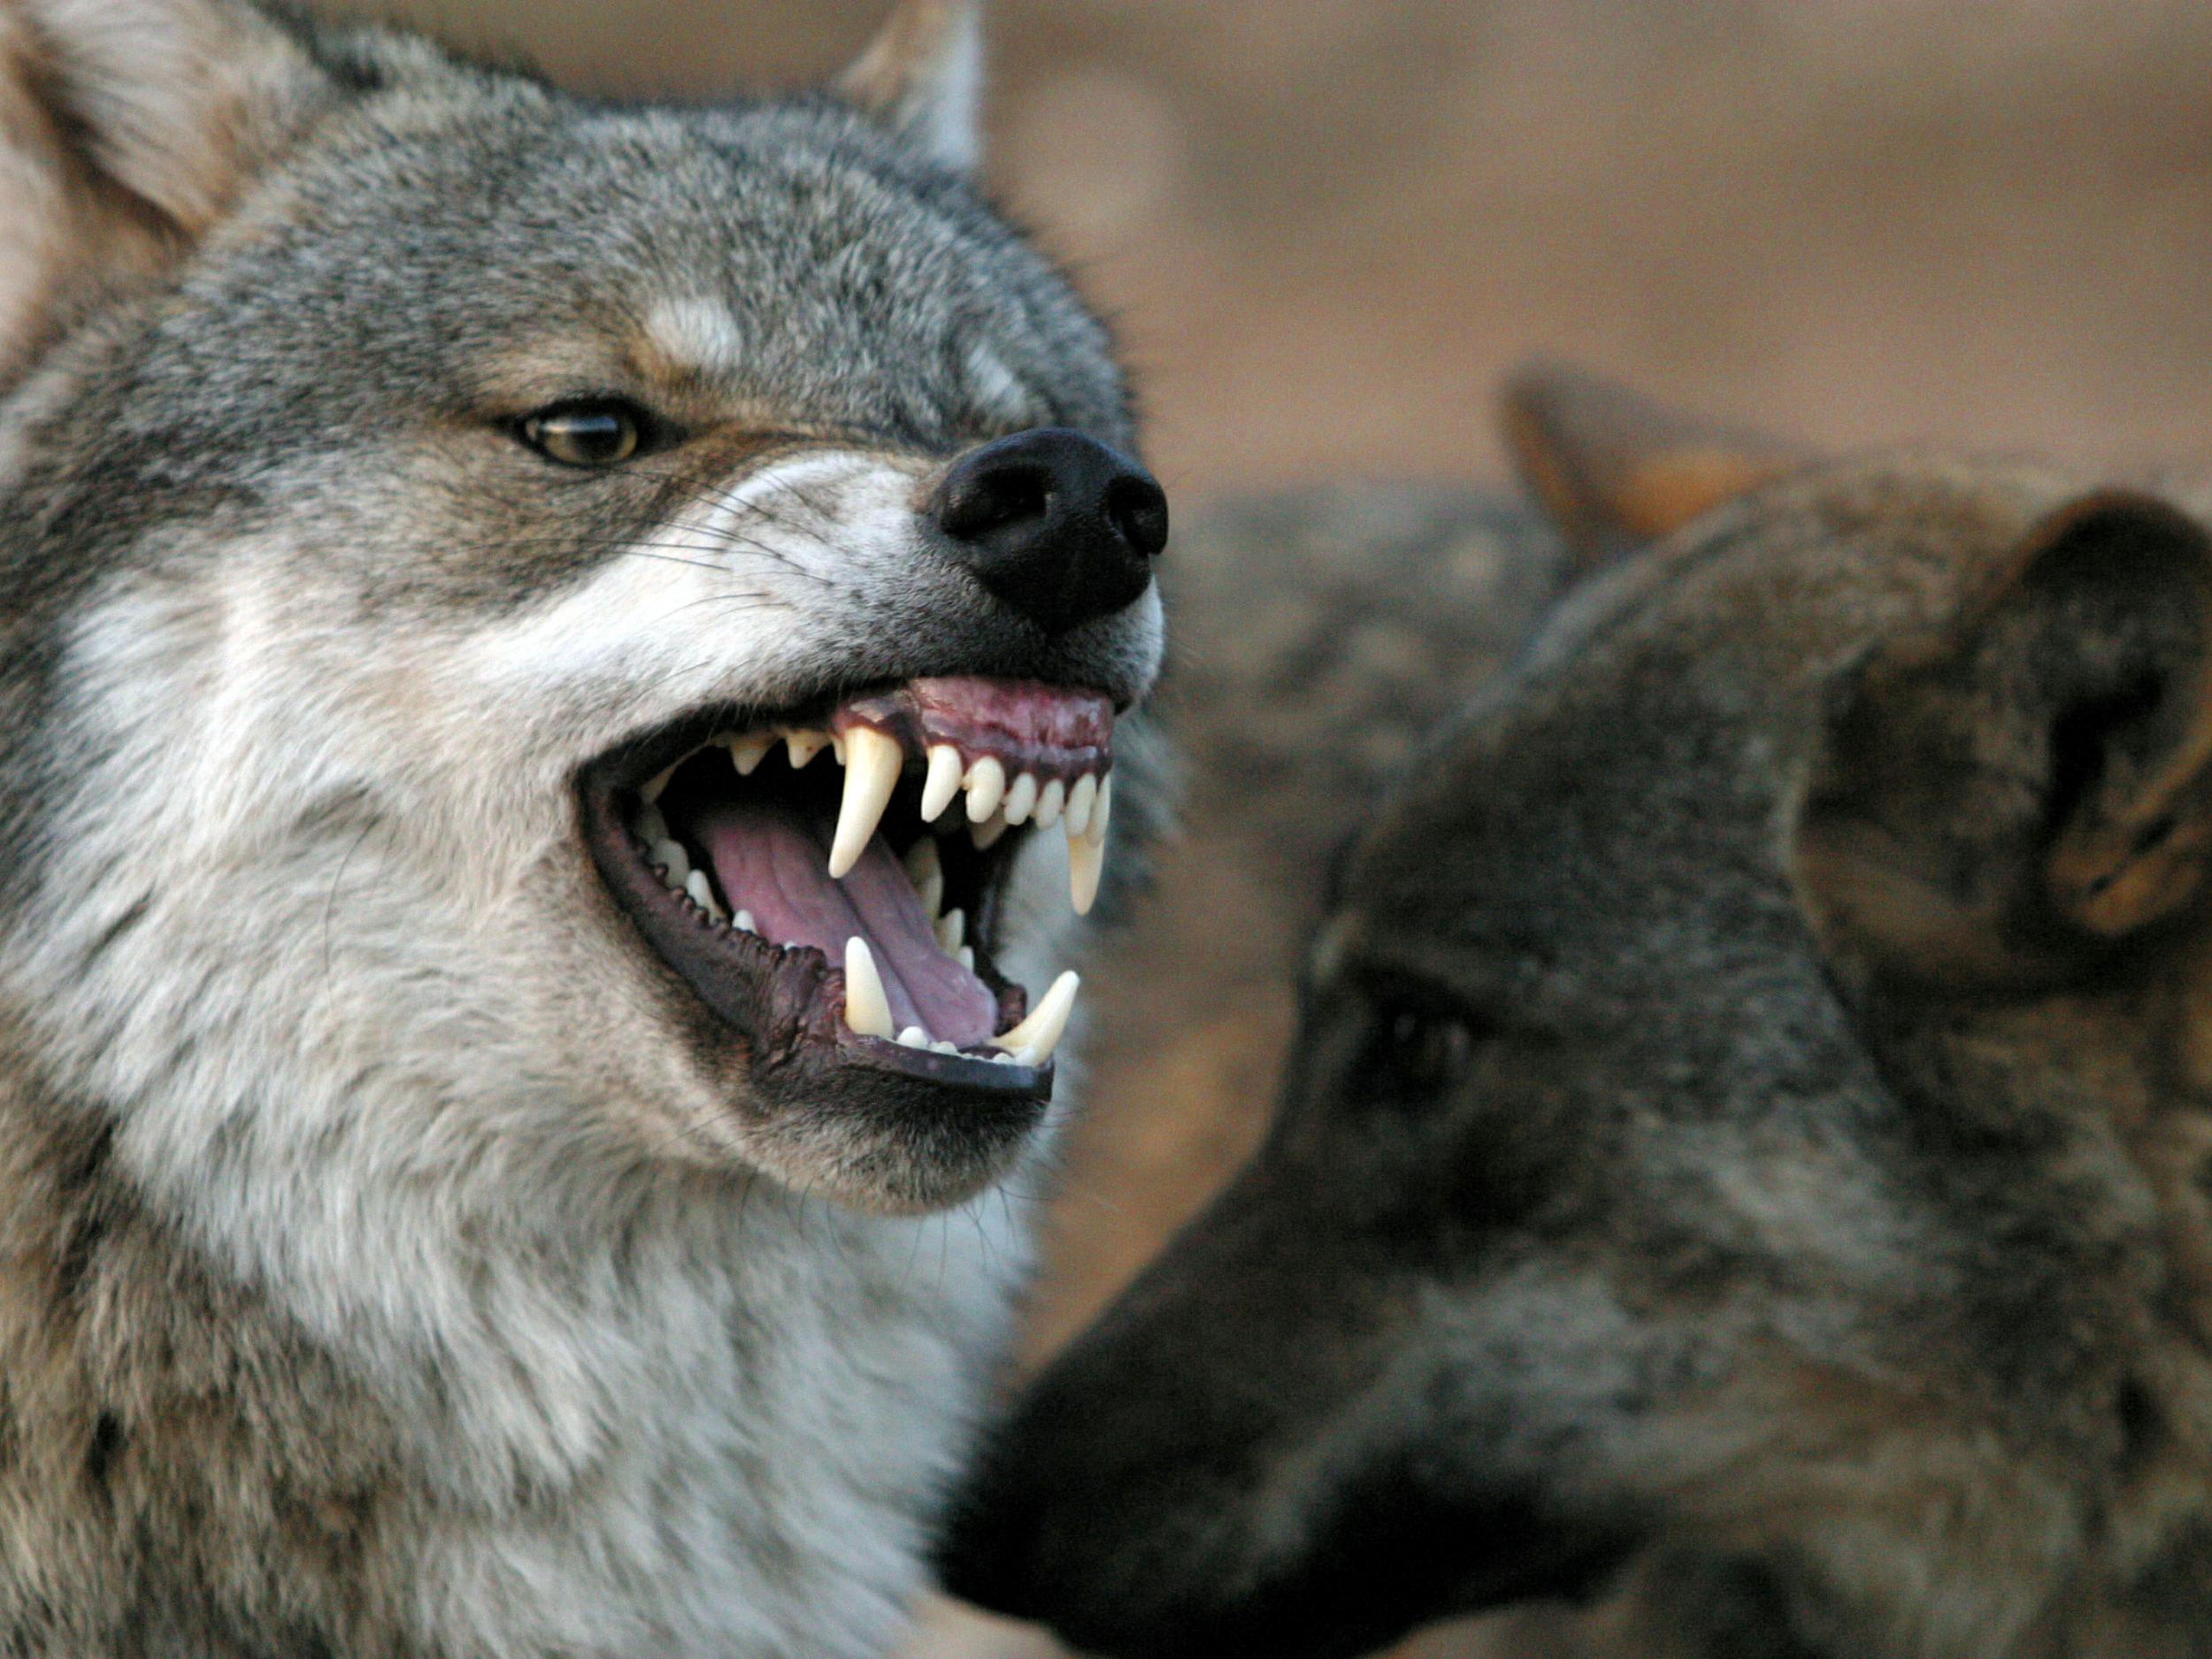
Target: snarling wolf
498 1127
1744 1162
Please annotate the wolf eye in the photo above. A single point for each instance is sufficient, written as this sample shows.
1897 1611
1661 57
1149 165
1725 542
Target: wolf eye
603 432
1417 1049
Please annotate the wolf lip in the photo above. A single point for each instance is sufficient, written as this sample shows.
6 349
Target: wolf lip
845 910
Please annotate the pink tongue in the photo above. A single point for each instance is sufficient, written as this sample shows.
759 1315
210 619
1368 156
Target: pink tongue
773 862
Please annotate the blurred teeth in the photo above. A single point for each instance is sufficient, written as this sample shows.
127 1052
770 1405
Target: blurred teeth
987 788
749 752
802 747
1049 803
1081 800
952 932
1021 799
943 782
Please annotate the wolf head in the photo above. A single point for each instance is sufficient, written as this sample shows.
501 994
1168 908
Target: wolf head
1745 1157
428 495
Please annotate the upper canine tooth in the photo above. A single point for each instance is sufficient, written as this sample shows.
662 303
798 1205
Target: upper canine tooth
1081 799
867 1009
1086 861
804 746
942 783
987 788
1048 802
749 751
873 761
1042 1031
1021 800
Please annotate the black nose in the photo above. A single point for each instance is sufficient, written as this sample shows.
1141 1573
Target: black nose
1054 523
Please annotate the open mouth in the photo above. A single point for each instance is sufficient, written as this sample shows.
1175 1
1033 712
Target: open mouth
848 905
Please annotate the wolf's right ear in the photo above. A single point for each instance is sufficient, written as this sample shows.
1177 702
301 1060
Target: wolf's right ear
1616 472
922 76
2006 800
127 129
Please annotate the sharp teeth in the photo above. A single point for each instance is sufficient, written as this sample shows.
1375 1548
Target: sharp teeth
804 746
652 790
749 752
965 958
744 923
675 865
702 895
871 772
913 1037
1021 800
926 872
867 1011
986 835
1040 1034
944 1048
952 933
987 788
652 828
1081 799
942 783
1087 863
1094 832
1048 802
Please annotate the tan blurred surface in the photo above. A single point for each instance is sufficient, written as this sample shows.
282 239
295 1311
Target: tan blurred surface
1327 228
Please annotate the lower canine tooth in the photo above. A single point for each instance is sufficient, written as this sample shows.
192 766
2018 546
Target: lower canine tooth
867 1009
873 760
952 932
966 956
1040 1034
744 923
942 783
1094 832
1081 799
676 865
1087 863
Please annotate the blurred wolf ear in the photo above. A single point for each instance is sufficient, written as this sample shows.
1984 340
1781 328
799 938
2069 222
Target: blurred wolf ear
2006 801
923 76
1615 471
127 128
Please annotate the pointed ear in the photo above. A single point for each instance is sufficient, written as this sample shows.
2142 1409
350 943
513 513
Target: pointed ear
127 128
1616 472
179 102
923 76
2008 800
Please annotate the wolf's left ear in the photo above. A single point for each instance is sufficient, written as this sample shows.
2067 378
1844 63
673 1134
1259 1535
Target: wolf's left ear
1616 472
177 102
2008 799
923 76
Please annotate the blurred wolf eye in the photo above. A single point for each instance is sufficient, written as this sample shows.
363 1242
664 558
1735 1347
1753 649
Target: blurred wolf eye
604 432
1418 1050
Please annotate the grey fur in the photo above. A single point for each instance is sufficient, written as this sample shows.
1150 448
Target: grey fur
393 1258
1731 1171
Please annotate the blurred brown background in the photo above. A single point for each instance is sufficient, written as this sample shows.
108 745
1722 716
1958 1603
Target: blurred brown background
1326 229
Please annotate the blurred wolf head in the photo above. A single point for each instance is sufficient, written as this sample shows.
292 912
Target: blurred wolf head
1745 1162
446 519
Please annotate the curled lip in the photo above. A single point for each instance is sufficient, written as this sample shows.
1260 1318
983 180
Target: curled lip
784 996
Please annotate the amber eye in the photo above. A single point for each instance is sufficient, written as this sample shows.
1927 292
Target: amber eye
603 432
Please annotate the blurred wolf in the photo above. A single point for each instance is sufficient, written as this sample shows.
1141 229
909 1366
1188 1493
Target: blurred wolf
1745 1162
493 1160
